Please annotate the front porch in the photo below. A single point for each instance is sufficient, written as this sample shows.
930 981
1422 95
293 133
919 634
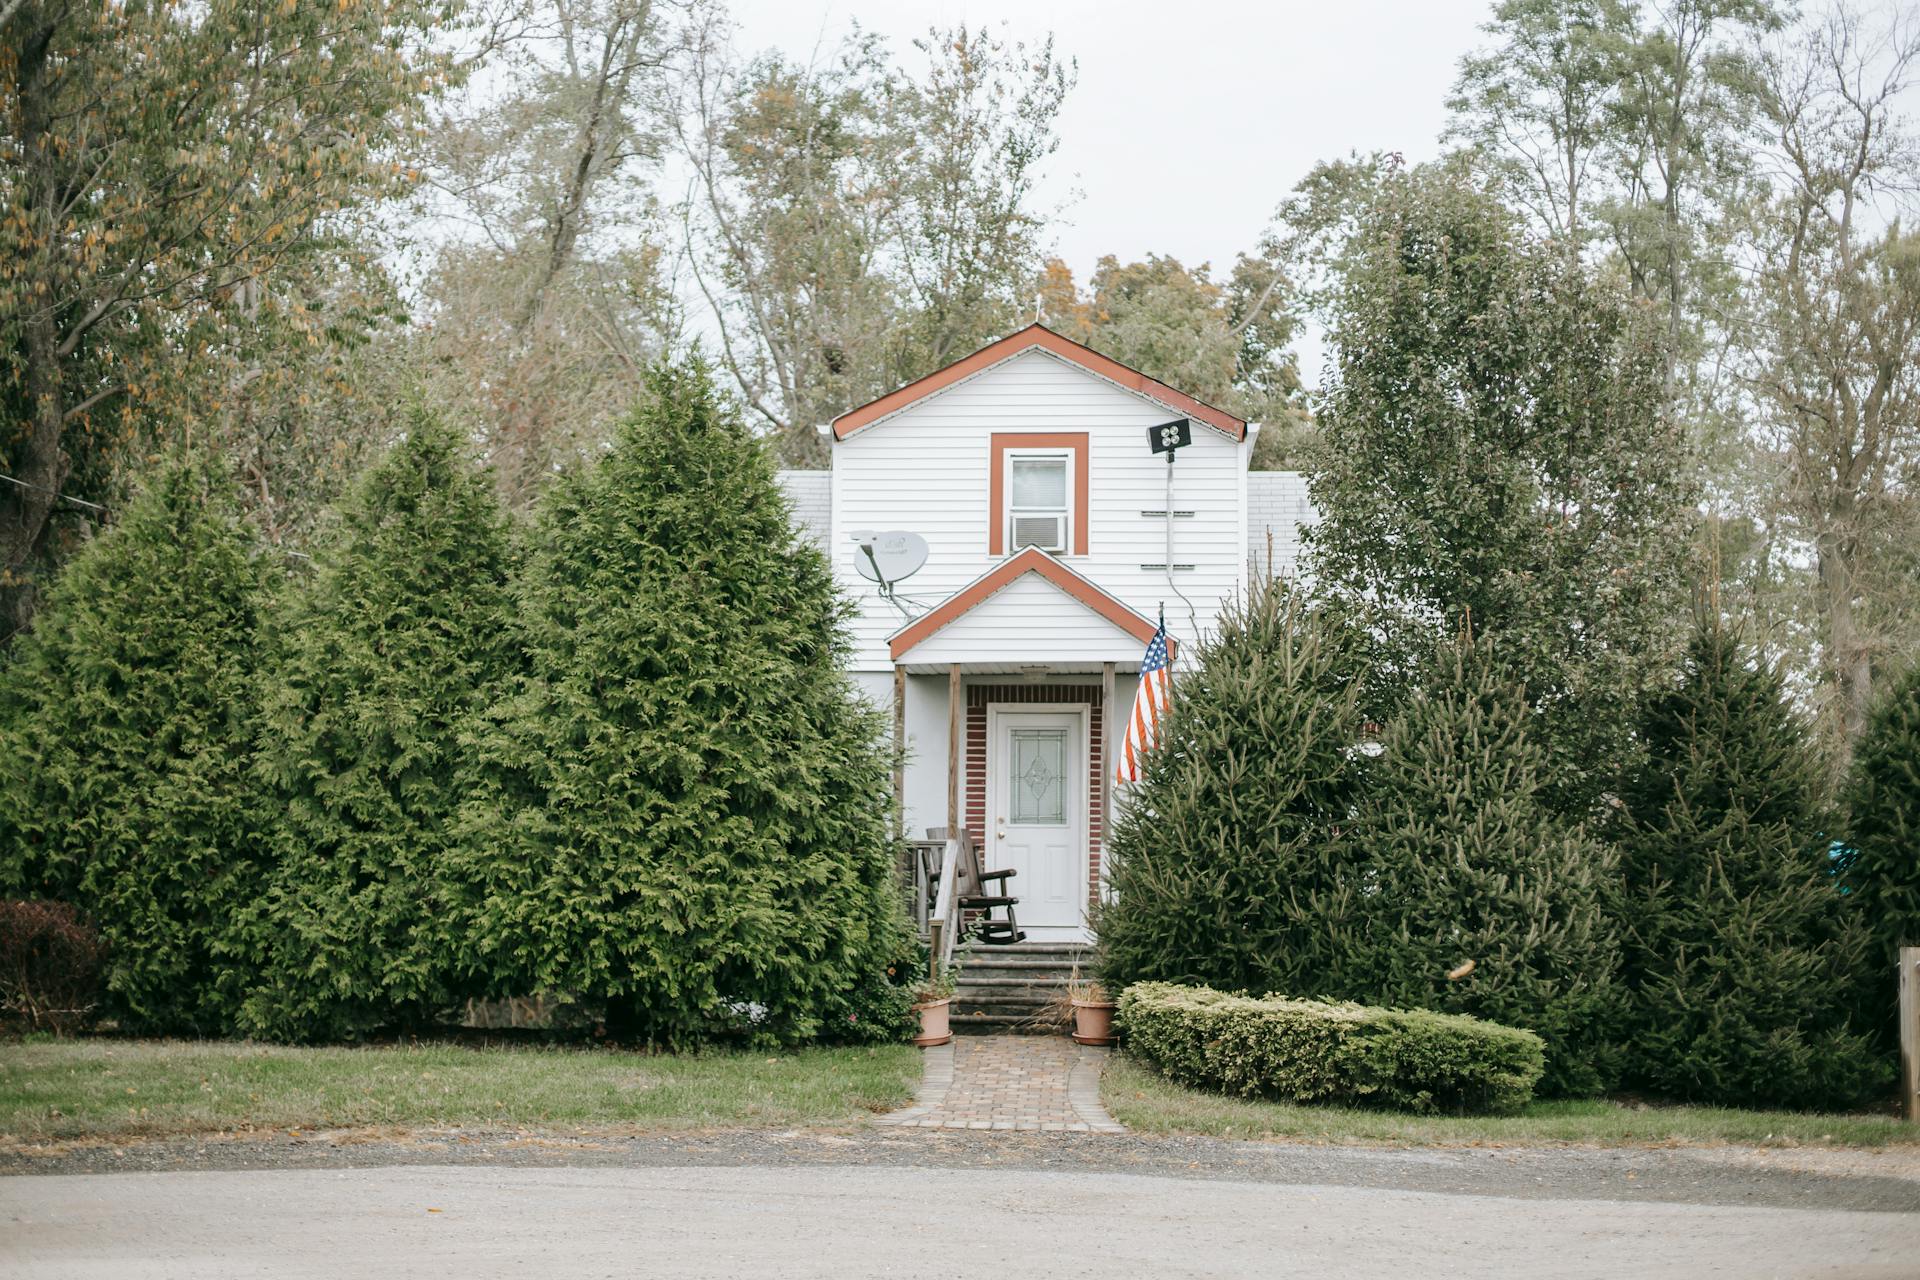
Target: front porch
1005 697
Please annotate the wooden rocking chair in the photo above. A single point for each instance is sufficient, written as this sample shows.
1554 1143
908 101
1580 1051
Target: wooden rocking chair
970 892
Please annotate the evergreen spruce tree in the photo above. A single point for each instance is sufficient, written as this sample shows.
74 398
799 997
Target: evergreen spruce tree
1883 839
1739 956
124 739
684 806
1466 860
1229 865
380 665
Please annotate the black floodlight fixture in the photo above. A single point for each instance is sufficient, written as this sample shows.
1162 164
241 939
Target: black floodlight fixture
1169 436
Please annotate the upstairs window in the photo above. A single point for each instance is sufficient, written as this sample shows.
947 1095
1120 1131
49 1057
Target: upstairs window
1037 482
1040 513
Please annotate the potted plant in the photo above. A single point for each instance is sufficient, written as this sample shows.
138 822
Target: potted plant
932 1002
1092 1011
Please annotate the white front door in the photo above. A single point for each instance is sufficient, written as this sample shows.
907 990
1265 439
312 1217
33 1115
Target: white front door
1036 814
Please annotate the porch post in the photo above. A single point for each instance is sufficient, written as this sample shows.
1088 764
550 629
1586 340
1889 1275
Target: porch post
900 750
1107 759
956 745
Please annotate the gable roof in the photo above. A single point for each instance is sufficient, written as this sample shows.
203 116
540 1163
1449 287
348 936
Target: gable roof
984 587
1038 335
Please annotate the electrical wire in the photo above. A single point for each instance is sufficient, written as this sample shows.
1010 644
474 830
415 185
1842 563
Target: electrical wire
53 493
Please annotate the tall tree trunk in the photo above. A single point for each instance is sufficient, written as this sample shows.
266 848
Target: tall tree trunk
34 456
1847 652
37 461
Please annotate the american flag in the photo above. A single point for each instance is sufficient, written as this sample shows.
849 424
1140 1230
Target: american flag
1149 707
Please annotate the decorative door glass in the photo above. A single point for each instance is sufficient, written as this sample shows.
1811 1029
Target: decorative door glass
1038 777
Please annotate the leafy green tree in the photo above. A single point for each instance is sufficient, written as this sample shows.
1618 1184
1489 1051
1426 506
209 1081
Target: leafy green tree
549 300
1883 833
860 224
798 168
382 663
176 179
1496 447
1833 345
125 719
1678 155
1229 865
1465 861
1740 957
1538 105
1225 342
683 806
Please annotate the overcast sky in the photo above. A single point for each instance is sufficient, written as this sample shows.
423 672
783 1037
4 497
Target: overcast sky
1192 119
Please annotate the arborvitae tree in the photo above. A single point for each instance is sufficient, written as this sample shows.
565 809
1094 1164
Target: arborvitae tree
1228 864
124 742
379 666
684 805
1883 843
1739 955
1464 860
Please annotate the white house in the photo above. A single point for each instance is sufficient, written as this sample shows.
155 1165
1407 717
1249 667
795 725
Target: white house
1009 660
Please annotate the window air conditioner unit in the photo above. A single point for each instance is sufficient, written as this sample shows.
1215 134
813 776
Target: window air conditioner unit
1049 533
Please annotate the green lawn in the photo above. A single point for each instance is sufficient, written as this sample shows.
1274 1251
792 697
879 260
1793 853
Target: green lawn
158 1088
1143 1100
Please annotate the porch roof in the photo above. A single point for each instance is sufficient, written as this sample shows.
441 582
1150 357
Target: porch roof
1029 611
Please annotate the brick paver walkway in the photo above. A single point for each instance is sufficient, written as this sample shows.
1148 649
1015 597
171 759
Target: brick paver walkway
1031 1083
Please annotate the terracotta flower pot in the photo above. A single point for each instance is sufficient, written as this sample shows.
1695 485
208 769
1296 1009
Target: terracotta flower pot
1093 1021
933 1023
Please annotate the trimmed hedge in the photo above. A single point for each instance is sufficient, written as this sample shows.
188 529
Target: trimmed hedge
1318 1052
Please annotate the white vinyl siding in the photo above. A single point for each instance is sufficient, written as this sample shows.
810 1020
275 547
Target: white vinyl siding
810 502
1028 620
927 470
1278 509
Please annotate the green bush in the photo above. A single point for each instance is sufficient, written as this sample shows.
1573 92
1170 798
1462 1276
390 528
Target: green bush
1883 841
125 743
682 808
1465 860
381 663
1317 1052
1228 863
1741 955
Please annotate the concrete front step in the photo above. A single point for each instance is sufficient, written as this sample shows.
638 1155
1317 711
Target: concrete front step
1040 975
1068 949
1016 988
1000 1022
1052 963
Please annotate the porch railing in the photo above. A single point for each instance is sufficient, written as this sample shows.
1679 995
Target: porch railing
936 911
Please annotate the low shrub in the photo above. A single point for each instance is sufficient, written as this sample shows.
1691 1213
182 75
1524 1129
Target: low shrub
50 964
879 1007
1313 1051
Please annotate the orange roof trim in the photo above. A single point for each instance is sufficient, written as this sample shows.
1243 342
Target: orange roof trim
1036 335
1029 560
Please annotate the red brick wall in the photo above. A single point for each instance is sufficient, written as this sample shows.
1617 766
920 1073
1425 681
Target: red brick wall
974 783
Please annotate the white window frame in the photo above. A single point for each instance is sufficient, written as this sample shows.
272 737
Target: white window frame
1065 457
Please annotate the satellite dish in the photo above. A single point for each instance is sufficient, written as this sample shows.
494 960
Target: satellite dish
890 556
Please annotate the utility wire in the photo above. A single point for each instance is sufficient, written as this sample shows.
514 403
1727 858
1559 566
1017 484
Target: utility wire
78 502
